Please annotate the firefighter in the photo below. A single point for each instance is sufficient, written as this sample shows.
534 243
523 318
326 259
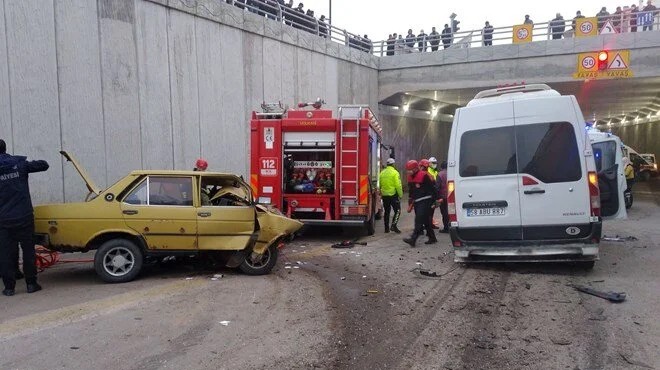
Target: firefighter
430 166
392 192
17 219
422 197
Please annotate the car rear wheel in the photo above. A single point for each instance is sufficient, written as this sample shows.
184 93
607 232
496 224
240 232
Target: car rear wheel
118 261
255 264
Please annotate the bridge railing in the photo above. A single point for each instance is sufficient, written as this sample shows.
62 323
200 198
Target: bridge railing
273 10
299 20
621 23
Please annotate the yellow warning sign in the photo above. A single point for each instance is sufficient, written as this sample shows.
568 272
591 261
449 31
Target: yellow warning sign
586 27
618 66
522 33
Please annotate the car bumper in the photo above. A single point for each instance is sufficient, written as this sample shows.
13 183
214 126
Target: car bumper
558 250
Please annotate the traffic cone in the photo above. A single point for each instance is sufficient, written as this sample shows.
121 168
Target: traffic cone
327 214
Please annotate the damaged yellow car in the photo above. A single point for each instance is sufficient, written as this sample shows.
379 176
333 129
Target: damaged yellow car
150 215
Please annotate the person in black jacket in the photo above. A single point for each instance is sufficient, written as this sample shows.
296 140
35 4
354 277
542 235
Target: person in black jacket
17 219
557 27
446 36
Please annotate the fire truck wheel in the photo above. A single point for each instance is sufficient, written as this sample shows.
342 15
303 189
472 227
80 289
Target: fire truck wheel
260 265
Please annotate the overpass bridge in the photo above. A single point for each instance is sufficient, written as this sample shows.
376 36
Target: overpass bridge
128 84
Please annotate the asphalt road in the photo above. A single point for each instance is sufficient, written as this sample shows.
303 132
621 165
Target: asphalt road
359 308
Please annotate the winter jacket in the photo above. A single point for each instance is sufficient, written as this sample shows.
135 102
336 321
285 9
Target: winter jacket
421 187
15 201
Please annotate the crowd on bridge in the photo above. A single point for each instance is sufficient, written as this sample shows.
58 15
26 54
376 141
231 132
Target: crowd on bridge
626 19
299 18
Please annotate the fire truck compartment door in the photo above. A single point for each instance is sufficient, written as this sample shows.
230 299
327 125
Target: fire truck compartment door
308 139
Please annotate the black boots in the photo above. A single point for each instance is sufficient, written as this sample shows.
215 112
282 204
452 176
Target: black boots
34 287
8 292
396 229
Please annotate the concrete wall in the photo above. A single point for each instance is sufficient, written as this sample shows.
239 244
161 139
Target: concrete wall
415 138
154 84
644 138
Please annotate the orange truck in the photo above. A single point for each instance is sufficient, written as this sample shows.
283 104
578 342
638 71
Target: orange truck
315 167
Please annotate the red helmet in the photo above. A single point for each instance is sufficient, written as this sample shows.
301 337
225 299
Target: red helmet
424 163
201 164
412 165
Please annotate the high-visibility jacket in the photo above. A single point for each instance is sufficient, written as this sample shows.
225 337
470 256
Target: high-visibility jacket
433 172
630 172
390 182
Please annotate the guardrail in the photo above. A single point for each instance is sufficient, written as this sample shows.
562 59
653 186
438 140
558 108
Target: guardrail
502 35
302 21
273 10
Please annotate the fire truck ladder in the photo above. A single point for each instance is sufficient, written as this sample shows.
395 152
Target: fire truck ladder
351 113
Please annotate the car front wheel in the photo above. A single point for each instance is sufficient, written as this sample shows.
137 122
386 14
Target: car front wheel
118 261
255 264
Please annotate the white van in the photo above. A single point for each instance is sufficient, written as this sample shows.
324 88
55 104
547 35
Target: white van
522 179
608 155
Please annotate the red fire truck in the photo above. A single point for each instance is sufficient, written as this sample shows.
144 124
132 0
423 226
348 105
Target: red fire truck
319 169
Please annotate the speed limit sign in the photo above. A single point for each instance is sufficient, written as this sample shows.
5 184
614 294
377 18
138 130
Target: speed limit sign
586 27
588 62
522 33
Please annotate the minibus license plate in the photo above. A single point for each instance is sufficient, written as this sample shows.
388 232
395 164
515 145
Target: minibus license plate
476 212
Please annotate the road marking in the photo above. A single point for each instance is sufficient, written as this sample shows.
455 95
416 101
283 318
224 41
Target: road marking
79 312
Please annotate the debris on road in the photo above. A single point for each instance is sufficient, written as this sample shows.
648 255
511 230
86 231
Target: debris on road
619 239
348 244
372 291
610 296
418 271
224 323
190 278
561 341
343 278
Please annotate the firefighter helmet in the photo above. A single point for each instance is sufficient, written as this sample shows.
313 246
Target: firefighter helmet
412 165
424 163
201 164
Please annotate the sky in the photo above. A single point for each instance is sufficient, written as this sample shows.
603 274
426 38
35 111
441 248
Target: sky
378 18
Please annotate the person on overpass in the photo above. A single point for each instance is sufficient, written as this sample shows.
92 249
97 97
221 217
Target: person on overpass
421 40
487 34
654 11
446 36
392 192
633 18
454 26
603 16
557 27
422 196
617 18
17 219
528 20
434 39
441 182
578 15
410 41
399 45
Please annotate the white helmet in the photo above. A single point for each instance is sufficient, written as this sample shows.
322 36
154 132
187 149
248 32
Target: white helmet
390 161
433 160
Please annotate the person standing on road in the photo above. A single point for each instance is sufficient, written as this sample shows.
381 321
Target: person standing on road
433 172
446 36
392 192
487 34
441 182
17 219
629 171
422 196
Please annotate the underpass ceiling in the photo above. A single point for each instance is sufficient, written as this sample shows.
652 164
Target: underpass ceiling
607 99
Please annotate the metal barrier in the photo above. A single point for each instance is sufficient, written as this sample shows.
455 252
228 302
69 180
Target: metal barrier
503 35
301 20
298 19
